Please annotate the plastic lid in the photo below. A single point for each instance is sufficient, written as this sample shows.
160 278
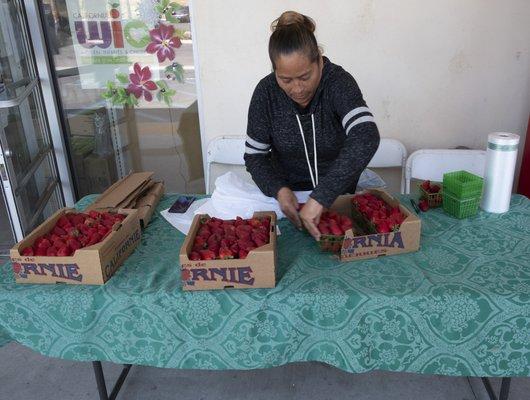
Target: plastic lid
503 138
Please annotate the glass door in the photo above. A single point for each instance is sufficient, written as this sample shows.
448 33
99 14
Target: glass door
27 164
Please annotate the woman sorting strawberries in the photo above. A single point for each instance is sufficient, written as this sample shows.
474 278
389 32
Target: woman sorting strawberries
308 125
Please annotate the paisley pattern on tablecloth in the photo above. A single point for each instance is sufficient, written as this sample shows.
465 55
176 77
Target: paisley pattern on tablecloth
459 306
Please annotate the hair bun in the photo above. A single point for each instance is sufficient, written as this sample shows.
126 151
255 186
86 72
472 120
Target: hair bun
289 18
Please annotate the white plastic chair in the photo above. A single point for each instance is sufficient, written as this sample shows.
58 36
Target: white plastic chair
224 150
390 153
432 164
231 149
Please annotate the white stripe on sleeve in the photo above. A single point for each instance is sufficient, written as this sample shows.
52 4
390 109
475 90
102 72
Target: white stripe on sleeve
353 113
250 150
257 145
367 118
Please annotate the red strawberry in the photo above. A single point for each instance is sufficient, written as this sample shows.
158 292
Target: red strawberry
426 185
234 248
199 242
254 222
63 221
242 253
323 228
243 231
335 230
51 251
78 219
90 222
109 223
40 251
59 231
383 227
83 239
195 256
120 217
94 214
64 251
423 204
94 238
28 251
207 255
345 223
73 244
103 230
44 243
225 253
435 188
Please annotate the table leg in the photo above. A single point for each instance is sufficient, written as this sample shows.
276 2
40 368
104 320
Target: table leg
504 392
100 381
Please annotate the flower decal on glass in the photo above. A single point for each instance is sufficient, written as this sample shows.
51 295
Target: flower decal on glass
141 83
163 42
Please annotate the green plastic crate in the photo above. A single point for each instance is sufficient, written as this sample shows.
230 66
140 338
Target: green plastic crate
460 208
463 184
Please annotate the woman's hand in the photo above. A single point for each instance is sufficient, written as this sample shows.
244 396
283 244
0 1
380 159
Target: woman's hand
289 205
310 216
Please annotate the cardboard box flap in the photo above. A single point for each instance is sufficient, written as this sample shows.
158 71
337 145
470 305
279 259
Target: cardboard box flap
121 190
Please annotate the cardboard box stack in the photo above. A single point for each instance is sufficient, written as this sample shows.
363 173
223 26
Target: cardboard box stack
136 191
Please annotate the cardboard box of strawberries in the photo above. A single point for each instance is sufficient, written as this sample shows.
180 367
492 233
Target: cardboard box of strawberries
239 253
380 226
76 248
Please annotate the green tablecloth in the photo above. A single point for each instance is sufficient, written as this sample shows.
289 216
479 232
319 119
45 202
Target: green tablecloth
459 306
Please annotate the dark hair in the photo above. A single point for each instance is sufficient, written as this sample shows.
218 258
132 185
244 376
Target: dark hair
292 32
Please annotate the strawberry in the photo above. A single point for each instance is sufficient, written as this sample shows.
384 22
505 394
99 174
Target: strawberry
254 222
51 251
323 228
63 221
195 256
243 231
94 214
28 251
90 222
242 253
94 238
230 230
103 230
109 223
217 230
44 243
58 231
426 185
40 251
83 239
383 227
73 244
225 253
207 255
345 220
200 242
234 248
435 188
78 219
423 204
64 251
335 230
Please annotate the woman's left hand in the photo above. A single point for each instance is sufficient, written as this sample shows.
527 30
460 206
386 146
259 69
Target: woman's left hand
310 216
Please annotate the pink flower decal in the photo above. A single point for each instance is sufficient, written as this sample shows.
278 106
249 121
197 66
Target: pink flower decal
163 42
141 83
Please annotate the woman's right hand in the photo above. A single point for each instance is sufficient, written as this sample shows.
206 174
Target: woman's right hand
289 206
